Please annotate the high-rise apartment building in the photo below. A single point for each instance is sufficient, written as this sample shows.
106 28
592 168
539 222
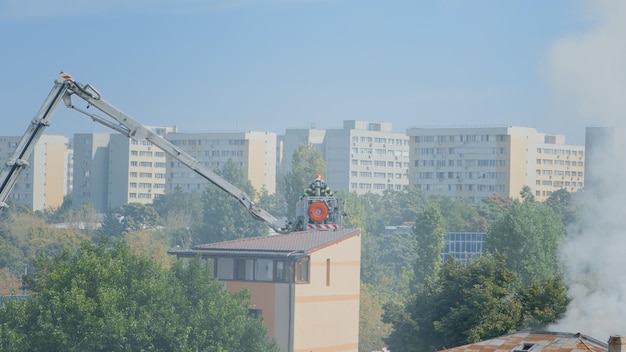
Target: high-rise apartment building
91 170
111 170
472 163
292 139
42 185
136 171
362 156
254 152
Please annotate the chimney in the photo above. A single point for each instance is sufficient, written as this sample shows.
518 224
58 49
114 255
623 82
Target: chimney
617 343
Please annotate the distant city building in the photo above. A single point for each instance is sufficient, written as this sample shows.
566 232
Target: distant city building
463 246
43 184
292 140
91 170
254 152
473 163
137 172
111 170
361 157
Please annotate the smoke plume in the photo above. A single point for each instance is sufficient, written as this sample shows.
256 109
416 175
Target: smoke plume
587 72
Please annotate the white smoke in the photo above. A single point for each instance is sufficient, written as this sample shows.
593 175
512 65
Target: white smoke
588 75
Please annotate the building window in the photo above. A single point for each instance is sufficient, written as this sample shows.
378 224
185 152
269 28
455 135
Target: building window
225 268
264 270
302 270
243 269
255 313
282 271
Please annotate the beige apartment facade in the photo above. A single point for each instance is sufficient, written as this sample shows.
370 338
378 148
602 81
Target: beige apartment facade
306 285
362 157
475 162
43 184
253 151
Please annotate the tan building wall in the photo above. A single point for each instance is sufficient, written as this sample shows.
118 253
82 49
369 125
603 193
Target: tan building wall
518 173
327 306
55 174
318 315
253 151
41 185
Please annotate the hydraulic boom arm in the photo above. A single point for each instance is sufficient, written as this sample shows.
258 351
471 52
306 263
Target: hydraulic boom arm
64 88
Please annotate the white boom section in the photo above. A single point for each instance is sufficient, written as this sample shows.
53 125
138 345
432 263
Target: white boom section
66 87
19 160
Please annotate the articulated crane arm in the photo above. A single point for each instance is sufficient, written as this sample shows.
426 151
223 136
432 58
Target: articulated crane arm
19 160
65 87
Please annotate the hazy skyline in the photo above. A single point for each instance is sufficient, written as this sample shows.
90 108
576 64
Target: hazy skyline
269 65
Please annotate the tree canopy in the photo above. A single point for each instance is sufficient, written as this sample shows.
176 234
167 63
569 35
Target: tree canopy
106 298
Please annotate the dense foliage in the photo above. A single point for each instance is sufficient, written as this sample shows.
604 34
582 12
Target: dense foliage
104 299
467 304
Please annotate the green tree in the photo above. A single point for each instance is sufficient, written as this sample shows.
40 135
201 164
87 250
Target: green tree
458 215
493 206
528 235
354 210
307 161
465 304
129 217
224 218
543 303
108 299
372 330
182 214
566 204
429 234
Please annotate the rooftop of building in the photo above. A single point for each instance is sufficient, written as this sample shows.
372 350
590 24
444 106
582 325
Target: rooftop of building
292 245
535 341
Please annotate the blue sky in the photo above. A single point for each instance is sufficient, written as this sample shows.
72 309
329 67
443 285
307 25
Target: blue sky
269 65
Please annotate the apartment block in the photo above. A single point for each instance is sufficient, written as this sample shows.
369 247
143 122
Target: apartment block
91 170
137 171
472 163
558 166
42 185
361 157
292 139
254 152
111 170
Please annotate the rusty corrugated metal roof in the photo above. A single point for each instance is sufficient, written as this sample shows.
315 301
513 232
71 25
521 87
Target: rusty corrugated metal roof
535 342
304 242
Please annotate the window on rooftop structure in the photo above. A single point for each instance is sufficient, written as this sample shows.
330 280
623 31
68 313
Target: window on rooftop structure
282 271
225 268
243 269
264 270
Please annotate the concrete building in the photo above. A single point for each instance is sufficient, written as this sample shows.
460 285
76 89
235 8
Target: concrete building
111 170
42 185
292 139
361 157
254 152
137 171
306 285
91 170
472 163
